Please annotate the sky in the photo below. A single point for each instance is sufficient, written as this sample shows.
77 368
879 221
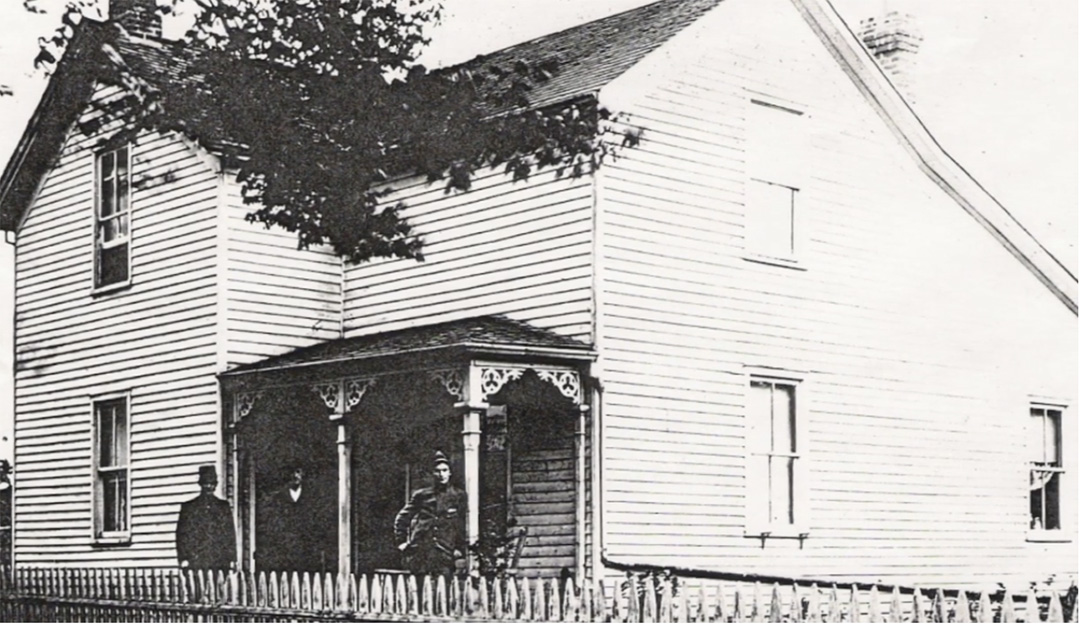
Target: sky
995 81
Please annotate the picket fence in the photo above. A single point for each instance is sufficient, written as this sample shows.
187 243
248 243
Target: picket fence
153 595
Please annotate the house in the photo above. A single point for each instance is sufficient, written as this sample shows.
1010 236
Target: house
786 334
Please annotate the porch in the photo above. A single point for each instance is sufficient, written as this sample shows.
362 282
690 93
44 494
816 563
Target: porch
364 416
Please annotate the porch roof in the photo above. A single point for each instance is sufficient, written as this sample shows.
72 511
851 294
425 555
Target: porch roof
492 335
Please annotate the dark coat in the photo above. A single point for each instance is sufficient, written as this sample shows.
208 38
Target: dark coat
205 535
295 535
434 518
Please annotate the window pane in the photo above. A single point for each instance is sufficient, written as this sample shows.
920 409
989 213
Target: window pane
108 199
1045 500
107 161
120 445
781 494
113 266
783 423
123 193
1052 435
114 501
1036 431
770 219
106 436
121 162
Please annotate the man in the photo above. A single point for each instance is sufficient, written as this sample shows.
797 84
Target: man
430 529
205 535
293 530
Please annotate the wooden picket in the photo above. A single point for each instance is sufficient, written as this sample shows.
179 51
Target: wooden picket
152 595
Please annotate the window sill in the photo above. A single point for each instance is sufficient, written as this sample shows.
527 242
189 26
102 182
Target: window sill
775 261
105 542
1047 535
110 289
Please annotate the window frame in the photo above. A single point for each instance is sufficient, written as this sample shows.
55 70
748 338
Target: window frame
757 523
99 536
98 245
795 182
1062 533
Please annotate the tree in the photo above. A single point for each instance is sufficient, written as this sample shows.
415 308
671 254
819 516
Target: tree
318 103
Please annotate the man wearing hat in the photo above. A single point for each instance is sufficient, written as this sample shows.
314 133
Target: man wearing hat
430 530
205 536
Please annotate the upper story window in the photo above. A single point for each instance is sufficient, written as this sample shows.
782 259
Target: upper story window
112 511
775 167
1046 468
776 471
112 224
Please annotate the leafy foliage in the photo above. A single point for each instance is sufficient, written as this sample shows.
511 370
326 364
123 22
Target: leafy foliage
319 103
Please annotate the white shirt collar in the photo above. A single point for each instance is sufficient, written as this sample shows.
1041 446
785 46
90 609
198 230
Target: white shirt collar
295 493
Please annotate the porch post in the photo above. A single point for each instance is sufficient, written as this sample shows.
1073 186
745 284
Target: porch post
344 458
470 435
579 489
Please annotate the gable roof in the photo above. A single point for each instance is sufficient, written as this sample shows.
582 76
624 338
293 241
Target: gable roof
590 56
488 334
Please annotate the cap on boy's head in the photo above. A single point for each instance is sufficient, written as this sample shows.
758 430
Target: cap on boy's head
207 473
440 458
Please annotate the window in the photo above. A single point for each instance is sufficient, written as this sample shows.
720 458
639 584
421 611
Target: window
111 485
1046 468
113 219
774 474
775 163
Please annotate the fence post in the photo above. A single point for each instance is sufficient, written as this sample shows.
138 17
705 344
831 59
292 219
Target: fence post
554 608
1032 608
527 612
663 613
1054 613
919 607
441 598
963 608
854 609
834 615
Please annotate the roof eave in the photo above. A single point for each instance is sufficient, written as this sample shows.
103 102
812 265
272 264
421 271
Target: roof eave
13 205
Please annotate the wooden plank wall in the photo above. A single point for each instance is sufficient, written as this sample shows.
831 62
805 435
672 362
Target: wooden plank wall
543 484
276 298
918 336
519 249
155 339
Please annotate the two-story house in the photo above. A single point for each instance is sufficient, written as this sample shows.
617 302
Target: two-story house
785 334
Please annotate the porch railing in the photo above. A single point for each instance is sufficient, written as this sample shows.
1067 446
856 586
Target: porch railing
151 595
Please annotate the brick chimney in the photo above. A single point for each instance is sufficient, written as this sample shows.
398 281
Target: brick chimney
140 18
894 41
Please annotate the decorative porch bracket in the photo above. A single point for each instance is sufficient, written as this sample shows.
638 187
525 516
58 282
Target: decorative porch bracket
494 378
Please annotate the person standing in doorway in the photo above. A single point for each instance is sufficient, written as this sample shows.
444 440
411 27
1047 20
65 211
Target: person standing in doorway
430 529
294 532
205 534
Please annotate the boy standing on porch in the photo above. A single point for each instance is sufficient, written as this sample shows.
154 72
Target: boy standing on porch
430 529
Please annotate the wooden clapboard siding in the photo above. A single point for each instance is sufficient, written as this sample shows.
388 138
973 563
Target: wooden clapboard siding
276 298
543 484
919 336
155 339
518 249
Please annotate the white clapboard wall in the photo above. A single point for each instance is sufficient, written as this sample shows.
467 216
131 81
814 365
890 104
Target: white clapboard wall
155 339
918 337
517 249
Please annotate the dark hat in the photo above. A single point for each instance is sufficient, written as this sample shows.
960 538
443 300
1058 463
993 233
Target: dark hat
207 473
441 458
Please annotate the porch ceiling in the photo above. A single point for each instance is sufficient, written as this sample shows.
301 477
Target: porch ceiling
480 336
